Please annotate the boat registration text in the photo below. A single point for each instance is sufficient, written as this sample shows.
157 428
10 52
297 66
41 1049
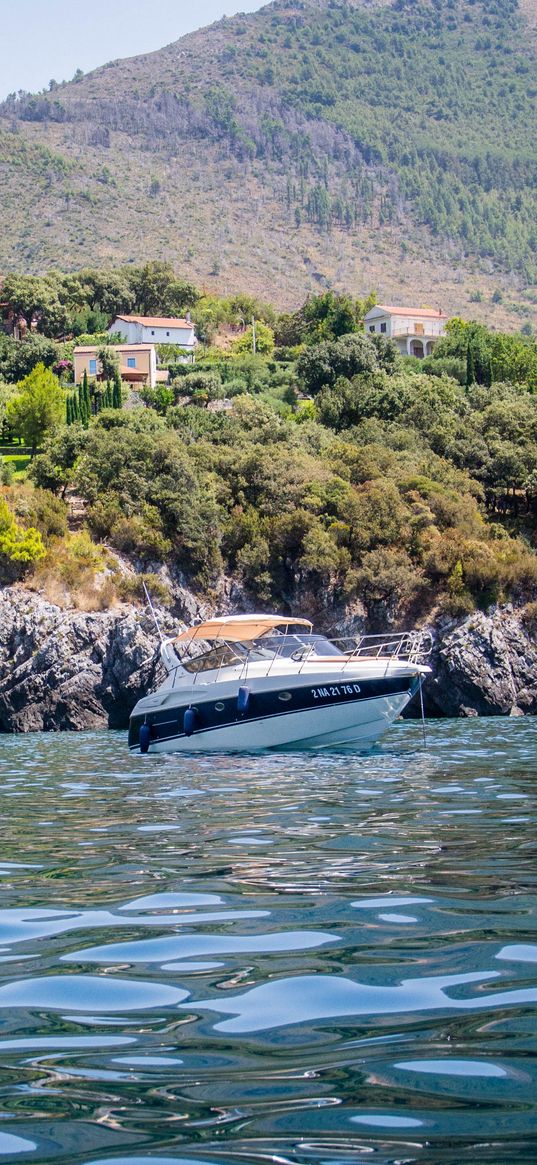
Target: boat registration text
340 690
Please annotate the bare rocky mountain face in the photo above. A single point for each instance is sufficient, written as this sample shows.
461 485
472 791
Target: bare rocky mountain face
365 145
74 670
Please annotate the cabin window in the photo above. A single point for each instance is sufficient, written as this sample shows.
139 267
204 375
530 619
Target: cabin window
285 697
383 327
93 367
219 707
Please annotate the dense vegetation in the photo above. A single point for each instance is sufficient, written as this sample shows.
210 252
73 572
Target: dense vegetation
323 469
418 112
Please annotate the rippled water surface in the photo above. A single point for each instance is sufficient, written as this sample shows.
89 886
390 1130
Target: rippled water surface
287 958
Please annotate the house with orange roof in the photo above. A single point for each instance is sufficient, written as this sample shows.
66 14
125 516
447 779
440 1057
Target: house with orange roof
137 363
156 330
415 330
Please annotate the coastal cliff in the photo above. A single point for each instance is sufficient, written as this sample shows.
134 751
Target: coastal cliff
82 670
485 665
74 669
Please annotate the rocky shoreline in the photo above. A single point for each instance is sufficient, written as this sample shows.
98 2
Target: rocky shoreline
75 670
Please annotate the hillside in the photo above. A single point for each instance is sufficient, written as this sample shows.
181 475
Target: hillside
384 145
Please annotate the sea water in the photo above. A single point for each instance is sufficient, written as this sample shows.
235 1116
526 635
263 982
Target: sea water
275 958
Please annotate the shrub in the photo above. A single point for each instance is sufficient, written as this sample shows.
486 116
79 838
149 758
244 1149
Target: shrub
387 580
130 587
20 548
39 508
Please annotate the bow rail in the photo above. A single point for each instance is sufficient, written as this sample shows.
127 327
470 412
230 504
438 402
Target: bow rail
411 646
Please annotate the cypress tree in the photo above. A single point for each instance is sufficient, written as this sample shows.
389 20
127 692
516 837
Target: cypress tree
87 397
116 391
68 411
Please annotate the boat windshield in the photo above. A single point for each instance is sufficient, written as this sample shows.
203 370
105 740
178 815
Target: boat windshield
275 645
221 655
296 646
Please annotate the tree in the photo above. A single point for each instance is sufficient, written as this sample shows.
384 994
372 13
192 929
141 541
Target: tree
35 298
39 407
329 316
6 394
83 407
109 292
158 291
19 548
264 341
52 468
324 364
108 359
19 357
117 398
470 366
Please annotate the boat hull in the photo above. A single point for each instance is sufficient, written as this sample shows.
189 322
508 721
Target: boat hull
348 718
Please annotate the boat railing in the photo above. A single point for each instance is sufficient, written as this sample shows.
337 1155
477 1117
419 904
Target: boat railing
402 646
406 646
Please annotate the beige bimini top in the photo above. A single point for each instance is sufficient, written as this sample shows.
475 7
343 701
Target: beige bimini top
239 628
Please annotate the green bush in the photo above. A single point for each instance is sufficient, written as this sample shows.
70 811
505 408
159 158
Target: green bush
20 548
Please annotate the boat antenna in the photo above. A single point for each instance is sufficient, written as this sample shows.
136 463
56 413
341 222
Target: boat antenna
153 612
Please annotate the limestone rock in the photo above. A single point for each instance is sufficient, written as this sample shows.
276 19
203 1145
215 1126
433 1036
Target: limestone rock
486 663
69 669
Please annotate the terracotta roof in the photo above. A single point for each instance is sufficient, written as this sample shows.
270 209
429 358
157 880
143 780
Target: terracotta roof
113 348
429 313
156 321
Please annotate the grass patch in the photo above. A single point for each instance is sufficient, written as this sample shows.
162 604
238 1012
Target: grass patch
18 462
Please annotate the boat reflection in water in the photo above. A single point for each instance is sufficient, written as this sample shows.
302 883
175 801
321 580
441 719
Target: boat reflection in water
250 682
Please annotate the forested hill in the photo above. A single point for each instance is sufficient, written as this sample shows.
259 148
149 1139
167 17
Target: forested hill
386 145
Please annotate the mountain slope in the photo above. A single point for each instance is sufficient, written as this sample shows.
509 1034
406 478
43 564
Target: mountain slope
308 144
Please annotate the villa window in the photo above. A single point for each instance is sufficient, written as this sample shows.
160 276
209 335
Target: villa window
383 327
371 327
131 362
93 367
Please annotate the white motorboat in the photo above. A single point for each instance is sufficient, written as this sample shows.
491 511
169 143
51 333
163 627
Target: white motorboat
252 682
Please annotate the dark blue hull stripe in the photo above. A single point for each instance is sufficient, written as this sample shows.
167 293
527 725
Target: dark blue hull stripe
264 706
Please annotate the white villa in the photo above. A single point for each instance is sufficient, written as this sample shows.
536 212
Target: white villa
156 330
415 330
